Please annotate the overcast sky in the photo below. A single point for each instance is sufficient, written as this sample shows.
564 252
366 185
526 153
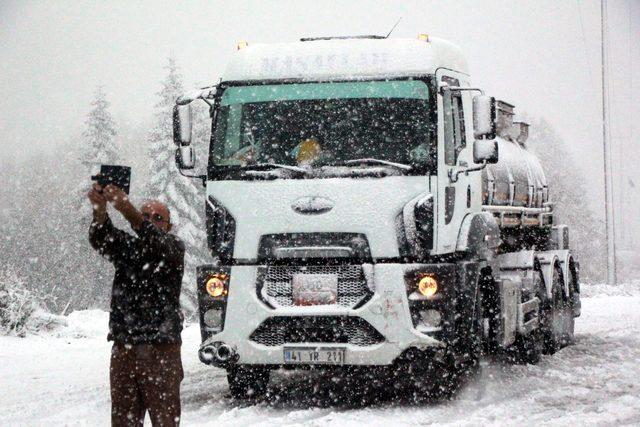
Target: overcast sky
543 56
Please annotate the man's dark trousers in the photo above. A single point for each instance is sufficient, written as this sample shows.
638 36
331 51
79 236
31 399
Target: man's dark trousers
145 376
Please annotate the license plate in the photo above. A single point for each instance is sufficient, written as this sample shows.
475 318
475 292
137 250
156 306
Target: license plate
314 355
314 289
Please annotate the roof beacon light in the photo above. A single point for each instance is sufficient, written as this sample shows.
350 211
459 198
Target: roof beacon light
242 44
423 37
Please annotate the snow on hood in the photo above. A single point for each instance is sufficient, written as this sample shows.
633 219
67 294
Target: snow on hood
367 205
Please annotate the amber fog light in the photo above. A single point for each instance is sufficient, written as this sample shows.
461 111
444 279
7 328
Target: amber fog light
427 286
217 285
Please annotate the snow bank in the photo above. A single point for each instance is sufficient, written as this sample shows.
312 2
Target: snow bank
78 324
92 324
86 324
601 289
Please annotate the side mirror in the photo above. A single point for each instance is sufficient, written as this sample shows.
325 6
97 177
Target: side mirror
484 117
182 124
185 157
485 150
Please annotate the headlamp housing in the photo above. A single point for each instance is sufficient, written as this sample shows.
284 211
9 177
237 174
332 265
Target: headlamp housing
213 290
415 227
431 290
221 231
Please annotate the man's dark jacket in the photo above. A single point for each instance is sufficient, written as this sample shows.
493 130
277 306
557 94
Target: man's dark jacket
145 299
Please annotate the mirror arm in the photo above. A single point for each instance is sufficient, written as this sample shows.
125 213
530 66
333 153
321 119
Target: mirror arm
202 178
461 88
453 174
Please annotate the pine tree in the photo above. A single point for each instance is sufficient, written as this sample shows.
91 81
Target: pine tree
567 192
183 196
47 240
96 147
100 133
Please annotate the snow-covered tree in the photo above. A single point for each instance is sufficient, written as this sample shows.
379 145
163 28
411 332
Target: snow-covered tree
96 147
17 303
46 241
568 193
99 146
183 196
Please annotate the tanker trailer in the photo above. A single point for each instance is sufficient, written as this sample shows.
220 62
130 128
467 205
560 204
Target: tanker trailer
533 249
367 207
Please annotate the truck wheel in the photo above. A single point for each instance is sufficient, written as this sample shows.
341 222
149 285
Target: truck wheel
247 382
452 378
551 318
438 384
527 349
569 320
443 379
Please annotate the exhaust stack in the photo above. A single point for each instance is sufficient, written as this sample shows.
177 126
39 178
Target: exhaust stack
217 354
224 353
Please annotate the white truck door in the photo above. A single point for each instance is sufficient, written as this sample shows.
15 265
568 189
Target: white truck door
454 197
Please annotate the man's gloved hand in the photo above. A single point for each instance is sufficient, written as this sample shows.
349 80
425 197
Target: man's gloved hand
117 197
120 200
98 203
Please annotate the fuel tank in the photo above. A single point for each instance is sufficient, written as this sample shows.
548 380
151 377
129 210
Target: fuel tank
516 180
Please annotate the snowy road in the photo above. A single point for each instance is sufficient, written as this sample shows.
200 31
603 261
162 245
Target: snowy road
63 380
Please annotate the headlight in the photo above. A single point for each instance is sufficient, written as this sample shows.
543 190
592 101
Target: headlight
428 286
217 285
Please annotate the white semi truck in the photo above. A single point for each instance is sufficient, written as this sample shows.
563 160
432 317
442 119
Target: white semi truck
367 207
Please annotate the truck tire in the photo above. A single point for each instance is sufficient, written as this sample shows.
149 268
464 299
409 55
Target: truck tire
528 349
433 380
247 382
569 320
551 317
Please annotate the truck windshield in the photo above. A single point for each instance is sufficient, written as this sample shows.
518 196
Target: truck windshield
322 124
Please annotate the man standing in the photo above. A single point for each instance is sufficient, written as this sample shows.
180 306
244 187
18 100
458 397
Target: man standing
145 320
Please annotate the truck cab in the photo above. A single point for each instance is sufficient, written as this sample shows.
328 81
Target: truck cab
346 216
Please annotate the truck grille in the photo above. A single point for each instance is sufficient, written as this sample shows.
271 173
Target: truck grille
275 282
277 331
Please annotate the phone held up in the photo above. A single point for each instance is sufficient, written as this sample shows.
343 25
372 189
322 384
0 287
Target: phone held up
120 176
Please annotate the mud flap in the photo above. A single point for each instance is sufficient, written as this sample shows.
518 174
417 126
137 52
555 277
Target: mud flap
526 324
509 304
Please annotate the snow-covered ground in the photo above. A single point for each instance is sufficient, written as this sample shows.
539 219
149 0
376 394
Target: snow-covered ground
61 378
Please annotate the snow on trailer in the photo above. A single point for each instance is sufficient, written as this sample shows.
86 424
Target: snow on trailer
370 211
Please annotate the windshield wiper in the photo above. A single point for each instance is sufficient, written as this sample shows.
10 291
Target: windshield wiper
263 166
378 162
